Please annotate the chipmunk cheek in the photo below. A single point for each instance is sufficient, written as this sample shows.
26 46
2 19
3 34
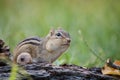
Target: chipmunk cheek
52 45
64 41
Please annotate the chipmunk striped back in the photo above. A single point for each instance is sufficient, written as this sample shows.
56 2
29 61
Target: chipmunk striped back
26 46
31 40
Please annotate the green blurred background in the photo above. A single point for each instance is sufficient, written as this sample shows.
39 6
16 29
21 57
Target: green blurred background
95 22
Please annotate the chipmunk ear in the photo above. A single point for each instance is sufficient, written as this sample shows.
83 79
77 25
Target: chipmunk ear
51 32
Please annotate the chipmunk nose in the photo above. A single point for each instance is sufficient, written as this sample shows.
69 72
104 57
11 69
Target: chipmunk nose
68 40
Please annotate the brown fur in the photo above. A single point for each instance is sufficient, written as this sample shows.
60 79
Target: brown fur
47 49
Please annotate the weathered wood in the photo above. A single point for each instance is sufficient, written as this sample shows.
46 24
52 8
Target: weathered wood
43 71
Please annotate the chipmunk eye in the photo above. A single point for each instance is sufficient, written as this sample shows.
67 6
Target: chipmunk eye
58 34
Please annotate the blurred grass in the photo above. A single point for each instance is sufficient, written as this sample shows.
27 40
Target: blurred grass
13 72
98 21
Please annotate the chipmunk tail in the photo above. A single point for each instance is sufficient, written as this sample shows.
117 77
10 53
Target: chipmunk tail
24 58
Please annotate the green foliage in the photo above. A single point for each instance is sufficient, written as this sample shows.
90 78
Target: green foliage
98 21
13 72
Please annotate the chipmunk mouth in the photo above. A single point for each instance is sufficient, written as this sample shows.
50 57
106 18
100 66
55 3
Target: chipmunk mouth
66 44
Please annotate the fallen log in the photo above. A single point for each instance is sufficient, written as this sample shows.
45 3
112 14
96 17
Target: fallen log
44 71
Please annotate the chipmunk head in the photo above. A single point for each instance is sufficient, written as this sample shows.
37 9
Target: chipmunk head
58 40
24 58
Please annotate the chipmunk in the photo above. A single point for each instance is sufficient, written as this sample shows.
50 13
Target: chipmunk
4 50
5 55
46 49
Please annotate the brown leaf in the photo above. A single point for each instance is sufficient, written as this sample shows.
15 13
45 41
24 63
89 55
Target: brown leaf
109 70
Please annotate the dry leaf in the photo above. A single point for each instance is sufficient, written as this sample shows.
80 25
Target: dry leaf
111 71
